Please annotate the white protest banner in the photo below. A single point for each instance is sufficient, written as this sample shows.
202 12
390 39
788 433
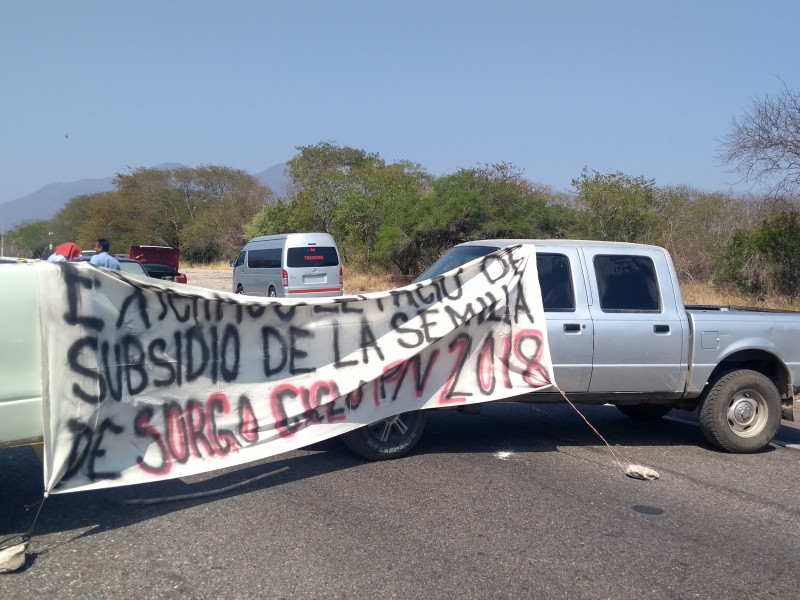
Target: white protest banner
145 380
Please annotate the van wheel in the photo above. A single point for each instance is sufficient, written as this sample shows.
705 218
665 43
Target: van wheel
742 412
644 412
272 293
239 290
389 438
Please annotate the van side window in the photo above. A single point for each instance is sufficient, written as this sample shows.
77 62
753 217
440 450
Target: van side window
312 256
266 258
555 281
627 283
240 259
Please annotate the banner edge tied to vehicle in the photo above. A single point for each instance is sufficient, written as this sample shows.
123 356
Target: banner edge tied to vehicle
146 380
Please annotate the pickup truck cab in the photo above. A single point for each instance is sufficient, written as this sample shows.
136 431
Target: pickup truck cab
619 333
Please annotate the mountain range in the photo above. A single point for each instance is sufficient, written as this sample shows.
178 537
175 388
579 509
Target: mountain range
47 201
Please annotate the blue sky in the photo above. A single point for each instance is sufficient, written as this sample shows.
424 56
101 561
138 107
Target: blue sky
645 88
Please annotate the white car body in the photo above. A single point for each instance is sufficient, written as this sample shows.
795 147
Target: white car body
20 356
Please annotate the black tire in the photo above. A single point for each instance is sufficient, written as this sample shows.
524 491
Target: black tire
644 413
272 293
389 438
239 290
742 412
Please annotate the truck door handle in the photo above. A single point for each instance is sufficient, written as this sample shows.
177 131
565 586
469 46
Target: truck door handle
572 327
661 328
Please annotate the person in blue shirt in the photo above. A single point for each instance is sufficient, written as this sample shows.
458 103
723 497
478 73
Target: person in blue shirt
103 258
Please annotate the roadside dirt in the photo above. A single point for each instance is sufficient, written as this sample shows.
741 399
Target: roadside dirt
221 279
214 279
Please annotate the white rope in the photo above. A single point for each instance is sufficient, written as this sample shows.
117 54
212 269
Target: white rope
631 470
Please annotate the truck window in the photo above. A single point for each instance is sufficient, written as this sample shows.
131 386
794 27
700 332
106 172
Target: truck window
266 258
556 282
627 283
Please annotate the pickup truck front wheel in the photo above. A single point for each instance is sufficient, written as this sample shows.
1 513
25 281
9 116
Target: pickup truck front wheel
389 438
742 412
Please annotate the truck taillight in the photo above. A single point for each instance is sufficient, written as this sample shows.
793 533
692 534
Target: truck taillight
284 278
341 277
180 278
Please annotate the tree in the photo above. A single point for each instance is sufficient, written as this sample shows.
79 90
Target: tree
69 222
268 221
201 210
84 219
616 207
225 200
163 208
695 227
112 217
764 144
320 176
30 240
285 216
373 193
490 201
346 192
766 258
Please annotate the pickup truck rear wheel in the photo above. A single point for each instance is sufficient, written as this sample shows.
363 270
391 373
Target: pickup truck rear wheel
644 412
388 438
742 412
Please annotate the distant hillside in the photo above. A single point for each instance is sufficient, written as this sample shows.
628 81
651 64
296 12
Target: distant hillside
274 178
47 201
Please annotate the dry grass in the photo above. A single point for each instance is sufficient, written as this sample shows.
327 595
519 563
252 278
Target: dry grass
217 276
357 281
215 266
706 293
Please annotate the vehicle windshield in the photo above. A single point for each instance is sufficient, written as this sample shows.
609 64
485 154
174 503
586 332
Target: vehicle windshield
460 255
132 267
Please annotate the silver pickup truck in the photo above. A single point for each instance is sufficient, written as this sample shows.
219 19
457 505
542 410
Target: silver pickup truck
620 333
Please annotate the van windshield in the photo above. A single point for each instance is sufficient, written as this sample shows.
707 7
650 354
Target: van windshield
312 256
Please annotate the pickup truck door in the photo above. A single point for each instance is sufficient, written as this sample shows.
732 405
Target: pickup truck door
569 322
638 327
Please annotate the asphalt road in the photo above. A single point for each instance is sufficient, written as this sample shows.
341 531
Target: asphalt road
521 501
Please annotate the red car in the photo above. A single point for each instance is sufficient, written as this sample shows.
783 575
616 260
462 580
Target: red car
161 262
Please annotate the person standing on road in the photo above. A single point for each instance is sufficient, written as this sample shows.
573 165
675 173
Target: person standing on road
103 258
65 252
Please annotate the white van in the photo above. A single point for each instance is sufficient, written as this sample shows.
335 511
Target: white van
290 265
